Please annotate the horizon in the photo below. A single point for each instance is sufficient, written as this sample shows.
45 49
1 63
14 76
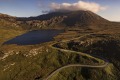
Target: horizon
106 9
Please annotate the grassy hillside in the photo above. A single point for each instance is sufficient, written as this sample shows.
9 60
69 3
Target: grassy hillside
36 62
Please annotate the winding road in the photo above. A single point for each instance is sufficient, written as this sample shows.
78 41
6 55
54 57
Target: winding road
102 65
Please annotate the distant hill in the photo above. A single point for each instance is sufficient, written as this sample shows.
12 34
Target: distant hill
8 22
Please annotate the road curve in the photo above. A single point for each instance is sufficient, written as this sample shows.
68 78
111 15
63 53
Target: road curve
76 65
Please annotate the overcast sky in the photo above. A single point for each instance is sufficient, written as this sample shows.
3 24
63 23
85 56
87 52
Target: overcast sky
109 9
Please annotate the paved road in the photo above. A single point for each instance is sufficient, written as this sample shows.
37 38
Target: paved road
76 65
102 65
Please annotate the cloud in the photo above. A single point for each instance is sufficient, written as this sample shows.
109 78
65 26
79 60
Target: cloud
80 5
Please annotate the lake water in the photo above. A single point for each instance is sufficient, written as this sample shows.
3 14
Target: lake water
34 37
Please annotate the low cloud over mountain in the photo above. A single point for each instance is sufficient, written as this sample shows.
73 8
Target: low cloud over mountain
80 5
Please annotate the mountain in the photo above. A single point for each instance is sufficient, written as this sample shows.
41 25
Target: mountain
63 19
66 19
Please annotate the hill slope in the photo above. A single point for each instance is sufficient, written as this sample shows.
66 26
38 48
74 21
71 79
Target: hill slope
8 22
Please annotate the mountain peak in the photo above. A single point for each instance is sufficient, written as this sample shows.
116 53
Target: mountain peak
83 17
